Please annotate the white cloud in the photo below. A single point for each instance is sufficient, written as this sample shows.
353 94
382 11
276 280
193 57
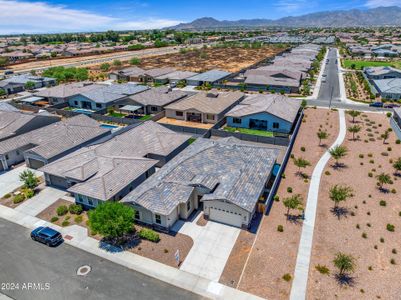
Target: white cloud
378 3
295 6
41 17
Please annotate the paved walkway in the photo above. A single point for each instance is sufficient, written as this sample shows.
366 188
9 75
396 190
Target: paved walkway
212 247
41 201
170 275
299 285
10 181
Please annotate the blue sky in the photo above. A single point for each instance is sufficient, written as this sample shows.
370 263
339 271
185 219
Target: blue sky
29 16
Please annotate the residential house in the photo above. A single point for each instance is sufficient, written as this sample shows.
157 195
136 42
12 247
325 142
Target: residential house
46 144
388 88
17 83
127 74
153 100
374 73
204 107
272 112
150 76
210 77
111 168
16 55
226 177
175 77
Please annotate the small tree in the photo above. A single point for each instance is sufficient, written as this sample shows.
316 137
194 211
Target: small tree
105 67
354 129
354 114
383 179
344 263
385 136
293 202
397 165
301 163
29 85
338 152
111 219
135 61
29 179
339 193
322 135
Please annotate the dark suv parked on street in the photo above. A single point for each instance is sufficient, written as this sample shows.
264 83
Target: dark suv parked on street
47 235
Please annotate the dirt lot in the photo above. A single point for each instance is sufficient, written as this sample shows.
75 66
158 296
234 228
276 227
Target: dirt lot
228 59
274 253
359 232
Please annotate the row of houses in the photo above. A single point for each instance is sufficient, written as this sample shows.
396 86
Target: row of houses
18 83
386 81
286 72
383 50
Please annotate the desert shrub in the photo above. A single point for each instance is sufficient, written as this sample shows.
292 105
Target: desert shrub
54 219
392 261
381 240
370 155
370 268
393 191
390 227
78 219
289 189
365 235
322 269
371 161
62 210
394 251
327 173
276 198
67 217
280 228
75 209
389 149
384 153
65 223
398 142
28 193
383 203
18 198
287 277
370 174
352 214
303 149
149 234
375 246
6 196
357 226
388 114
361 156
368 224
292 156
165 250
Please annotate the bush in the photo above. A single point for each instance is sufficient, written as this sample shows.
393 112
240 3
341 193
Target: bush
361 156
65 223
394 251
289 189
280 228
149 234
28 193
18 198
390 227
392 261
398 142
287 277
78 219
370 174
54 219
388 114
382 203
303 149
322 269
393 191
381 240
75 209
365 235
276 198
327 173
6 196
62 210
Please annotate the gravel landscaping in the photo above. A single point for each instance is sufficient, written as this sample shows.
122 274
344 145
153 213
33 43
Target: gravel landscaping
274 253
8 199
369 228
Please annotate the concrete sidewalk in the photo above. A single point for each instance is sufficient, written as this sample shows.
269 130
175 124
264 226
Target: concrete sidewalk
170 275
300 283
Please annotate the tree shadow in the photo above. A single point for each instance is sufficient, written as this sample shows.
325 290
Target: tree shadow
116 245
302 175
295 219
397 174
345 280
340 212
384 190
339 166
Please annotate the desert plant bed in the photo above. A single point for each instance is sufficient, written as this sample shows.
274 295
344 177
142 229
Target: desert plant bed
19 195
367 225
274 252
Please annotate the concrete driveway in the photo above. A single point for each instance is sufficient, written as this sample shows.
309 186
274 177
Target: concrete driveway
9 180
41 201
212 247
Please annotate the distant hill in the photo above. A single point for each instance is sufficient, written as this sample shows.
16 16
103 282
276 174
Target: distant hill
381 16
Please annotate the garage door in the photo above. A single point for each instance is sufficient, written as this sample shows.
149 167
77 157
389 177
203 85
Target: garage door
35 164
225 216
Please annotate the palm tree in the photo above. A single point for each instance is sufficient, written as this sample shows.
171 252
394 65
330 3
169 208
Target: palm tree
338 152
292 202
339 193
397 165
322 135
354 114
301 163
385 136
345 263
383 179
354 129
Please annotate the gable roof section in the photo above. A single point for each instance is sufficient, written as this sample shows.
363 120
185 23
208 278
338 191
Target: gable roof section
159 96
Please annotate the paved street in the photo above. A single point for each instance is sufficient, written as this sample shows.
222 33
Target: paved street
38 263
329 89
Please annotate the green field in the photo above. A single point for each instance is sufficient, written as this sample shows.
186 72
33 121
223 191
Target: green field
360 64
250 131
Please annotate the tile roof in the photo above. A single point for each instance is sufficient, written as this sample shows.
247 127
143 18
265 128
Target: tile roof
376 71
159 96
276 105
110 93
232 170
392 85
204 102
178 75
210 76
105 168
67 90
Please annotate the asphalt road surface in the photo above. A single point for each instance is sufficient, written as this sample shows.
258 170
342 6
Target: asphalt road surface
330 87
25 262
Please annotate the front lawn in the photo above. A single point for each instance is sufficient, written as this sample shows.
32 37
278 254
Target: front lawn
250 131
116 115
146 117
360 64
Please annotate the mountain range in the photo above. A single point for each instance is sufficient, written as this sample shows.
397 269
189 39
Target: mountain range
380 16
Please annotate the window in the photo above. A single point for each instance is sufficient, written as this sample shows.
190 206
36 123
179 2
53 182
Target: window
6 156
137 215
153 108
276 125
237 121
98 105
18 152
158 219
188 205
90 202
76 103
209 117
179 113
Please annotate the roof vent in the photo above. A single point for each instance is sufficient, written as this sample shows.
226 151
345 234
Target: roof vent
212 95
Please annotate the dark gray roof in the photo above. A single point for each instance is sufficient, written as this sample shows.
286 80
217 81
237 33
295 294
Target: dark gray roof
110 93
210 76
232 170
56 138
67 90
107 167
4 106
392 85
159 96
